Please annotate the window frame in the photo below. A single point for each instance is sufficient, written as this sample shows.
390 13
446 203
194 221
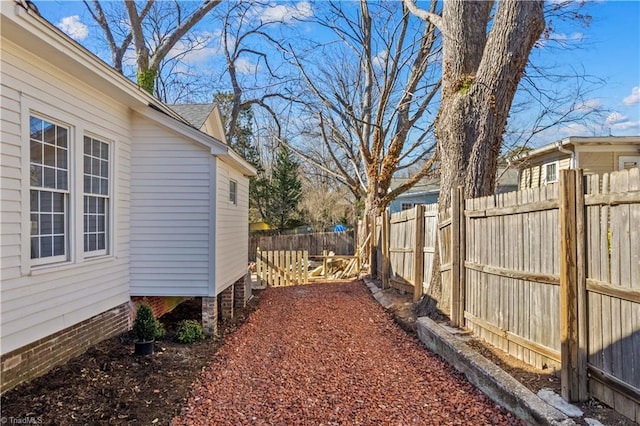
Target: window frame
89 254
67 204
233 192
556 165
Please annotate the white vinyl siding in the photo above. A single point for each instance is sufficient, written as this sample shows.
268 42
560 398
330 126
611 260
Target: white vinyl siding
232 228
39 301
170 213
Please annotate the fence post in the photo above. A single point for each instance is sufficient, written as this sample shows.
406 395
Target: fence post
385 249
455 258
258 267
581 276
373 247
571 373
418 253
462 257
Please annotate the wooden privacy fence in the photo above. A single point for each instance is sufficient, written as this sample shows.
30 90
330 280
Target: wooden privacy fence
550 275
340 243
282 268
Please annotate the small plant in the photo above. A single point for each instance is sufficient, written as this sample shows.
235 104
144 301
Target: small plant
144 326
160 331
189 331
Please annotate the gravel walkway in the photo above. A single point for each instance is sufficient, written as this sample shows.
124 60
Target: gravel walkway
328 354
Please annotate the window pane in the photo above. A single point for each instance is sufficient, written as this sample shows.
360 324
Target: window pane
95 185
104 169
87 165
87 184
46 246
35 128
62 137
104 187
49 133
35 247
61 182
35 202
100 242
92 205
100 202
49 177
61 158
101 220
93 226
104 152
35 229
95 167
58 224
58 246
92 242
45 201
58 202
36 152
87 145
46 224
49 155
86 242
36 175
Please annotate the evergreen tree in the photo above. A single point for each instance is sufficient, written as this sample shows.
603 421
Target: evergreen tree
285 190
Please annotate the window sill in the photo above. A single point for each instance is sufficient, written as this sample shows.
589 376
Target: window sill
63 266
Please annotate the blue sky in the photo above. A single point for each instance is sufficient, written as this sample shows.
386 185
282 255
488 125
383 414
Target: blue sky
608 49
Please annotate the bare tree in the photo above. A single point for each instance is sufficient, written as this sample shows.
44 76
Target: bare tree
150 48
366 98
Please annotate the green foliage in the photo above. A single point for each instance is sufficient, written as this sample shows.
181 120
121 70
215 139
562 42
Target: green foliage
144 326
285 190
189 331
146 79
160 331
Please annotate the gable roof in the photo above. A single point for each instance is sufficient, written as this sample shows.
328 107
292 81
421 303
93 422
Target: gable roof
572 142
195 114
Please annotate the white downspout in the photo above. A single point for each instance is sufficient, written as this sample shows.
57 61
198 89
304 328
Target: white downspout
572 163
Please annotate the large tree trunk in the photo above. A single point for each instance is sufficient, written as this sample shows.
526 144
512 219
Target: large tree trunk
480 76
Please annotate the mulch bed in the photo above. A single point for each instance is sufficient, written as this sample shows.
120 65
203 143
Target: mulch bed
110 385
328 354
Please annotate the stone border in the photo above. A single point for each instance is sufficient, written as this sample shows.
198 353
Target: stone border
501 387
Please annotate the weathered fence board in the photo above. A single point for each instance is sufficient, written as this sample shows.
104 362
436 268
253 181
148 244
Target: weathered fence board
553 296
342 243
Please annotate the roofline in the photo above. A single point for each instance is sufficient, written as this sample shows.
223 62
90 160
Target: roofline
572 140
48 33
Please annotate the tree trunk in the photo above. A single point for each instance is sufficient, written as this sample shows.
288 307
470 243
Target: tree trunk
480 77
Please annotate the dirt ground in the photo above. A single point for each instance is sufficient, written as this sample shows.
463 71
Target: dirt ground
109 385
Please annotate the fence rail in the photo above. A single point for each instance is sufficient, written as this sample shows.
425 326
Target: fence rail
550 275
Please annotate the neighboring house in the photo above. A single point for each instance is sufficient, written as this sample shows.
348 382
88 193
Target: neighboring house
427 190
107 195
595 155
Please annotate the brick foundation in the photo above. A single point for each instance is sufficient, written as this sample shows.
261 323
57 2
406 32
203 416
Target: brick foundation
210 316
226 302
160 305
35 359
242 292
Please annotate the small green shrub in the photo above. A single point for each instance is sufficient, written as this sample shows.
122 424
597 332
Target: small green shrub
160 331
189 331
144 326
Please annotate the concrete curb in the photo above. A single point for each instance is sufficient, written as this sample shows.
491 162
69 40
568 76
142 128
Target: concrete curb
486 376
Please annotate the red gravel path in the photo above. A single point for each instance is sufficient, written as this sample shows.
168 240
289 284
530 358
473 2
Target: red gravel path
328 354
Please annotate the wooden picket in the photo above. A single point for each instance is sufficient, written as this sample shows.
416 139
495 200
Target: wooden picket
282 268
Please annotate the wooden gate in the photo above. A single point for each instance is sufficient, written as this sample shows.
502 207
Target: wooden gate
282 268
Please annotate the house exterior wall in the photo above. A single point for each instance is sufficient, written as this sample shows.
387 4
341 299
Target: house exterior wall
232 228
171 205
596 162
409 198
533 174
39 301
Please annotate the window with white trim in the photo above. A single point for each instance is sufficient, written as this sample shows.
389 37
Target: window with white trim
49 190
233 192
551 172
407 206
96 196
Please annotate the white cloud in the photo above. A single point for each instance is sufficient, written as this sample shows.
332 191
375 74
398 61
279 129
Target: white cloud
243 66
566 37
589 105
380 58
615 118
286 13
72 26
633 98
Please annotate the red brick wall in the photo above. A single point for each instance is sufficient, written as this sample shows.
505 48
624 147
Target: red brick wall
36 358
160 305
